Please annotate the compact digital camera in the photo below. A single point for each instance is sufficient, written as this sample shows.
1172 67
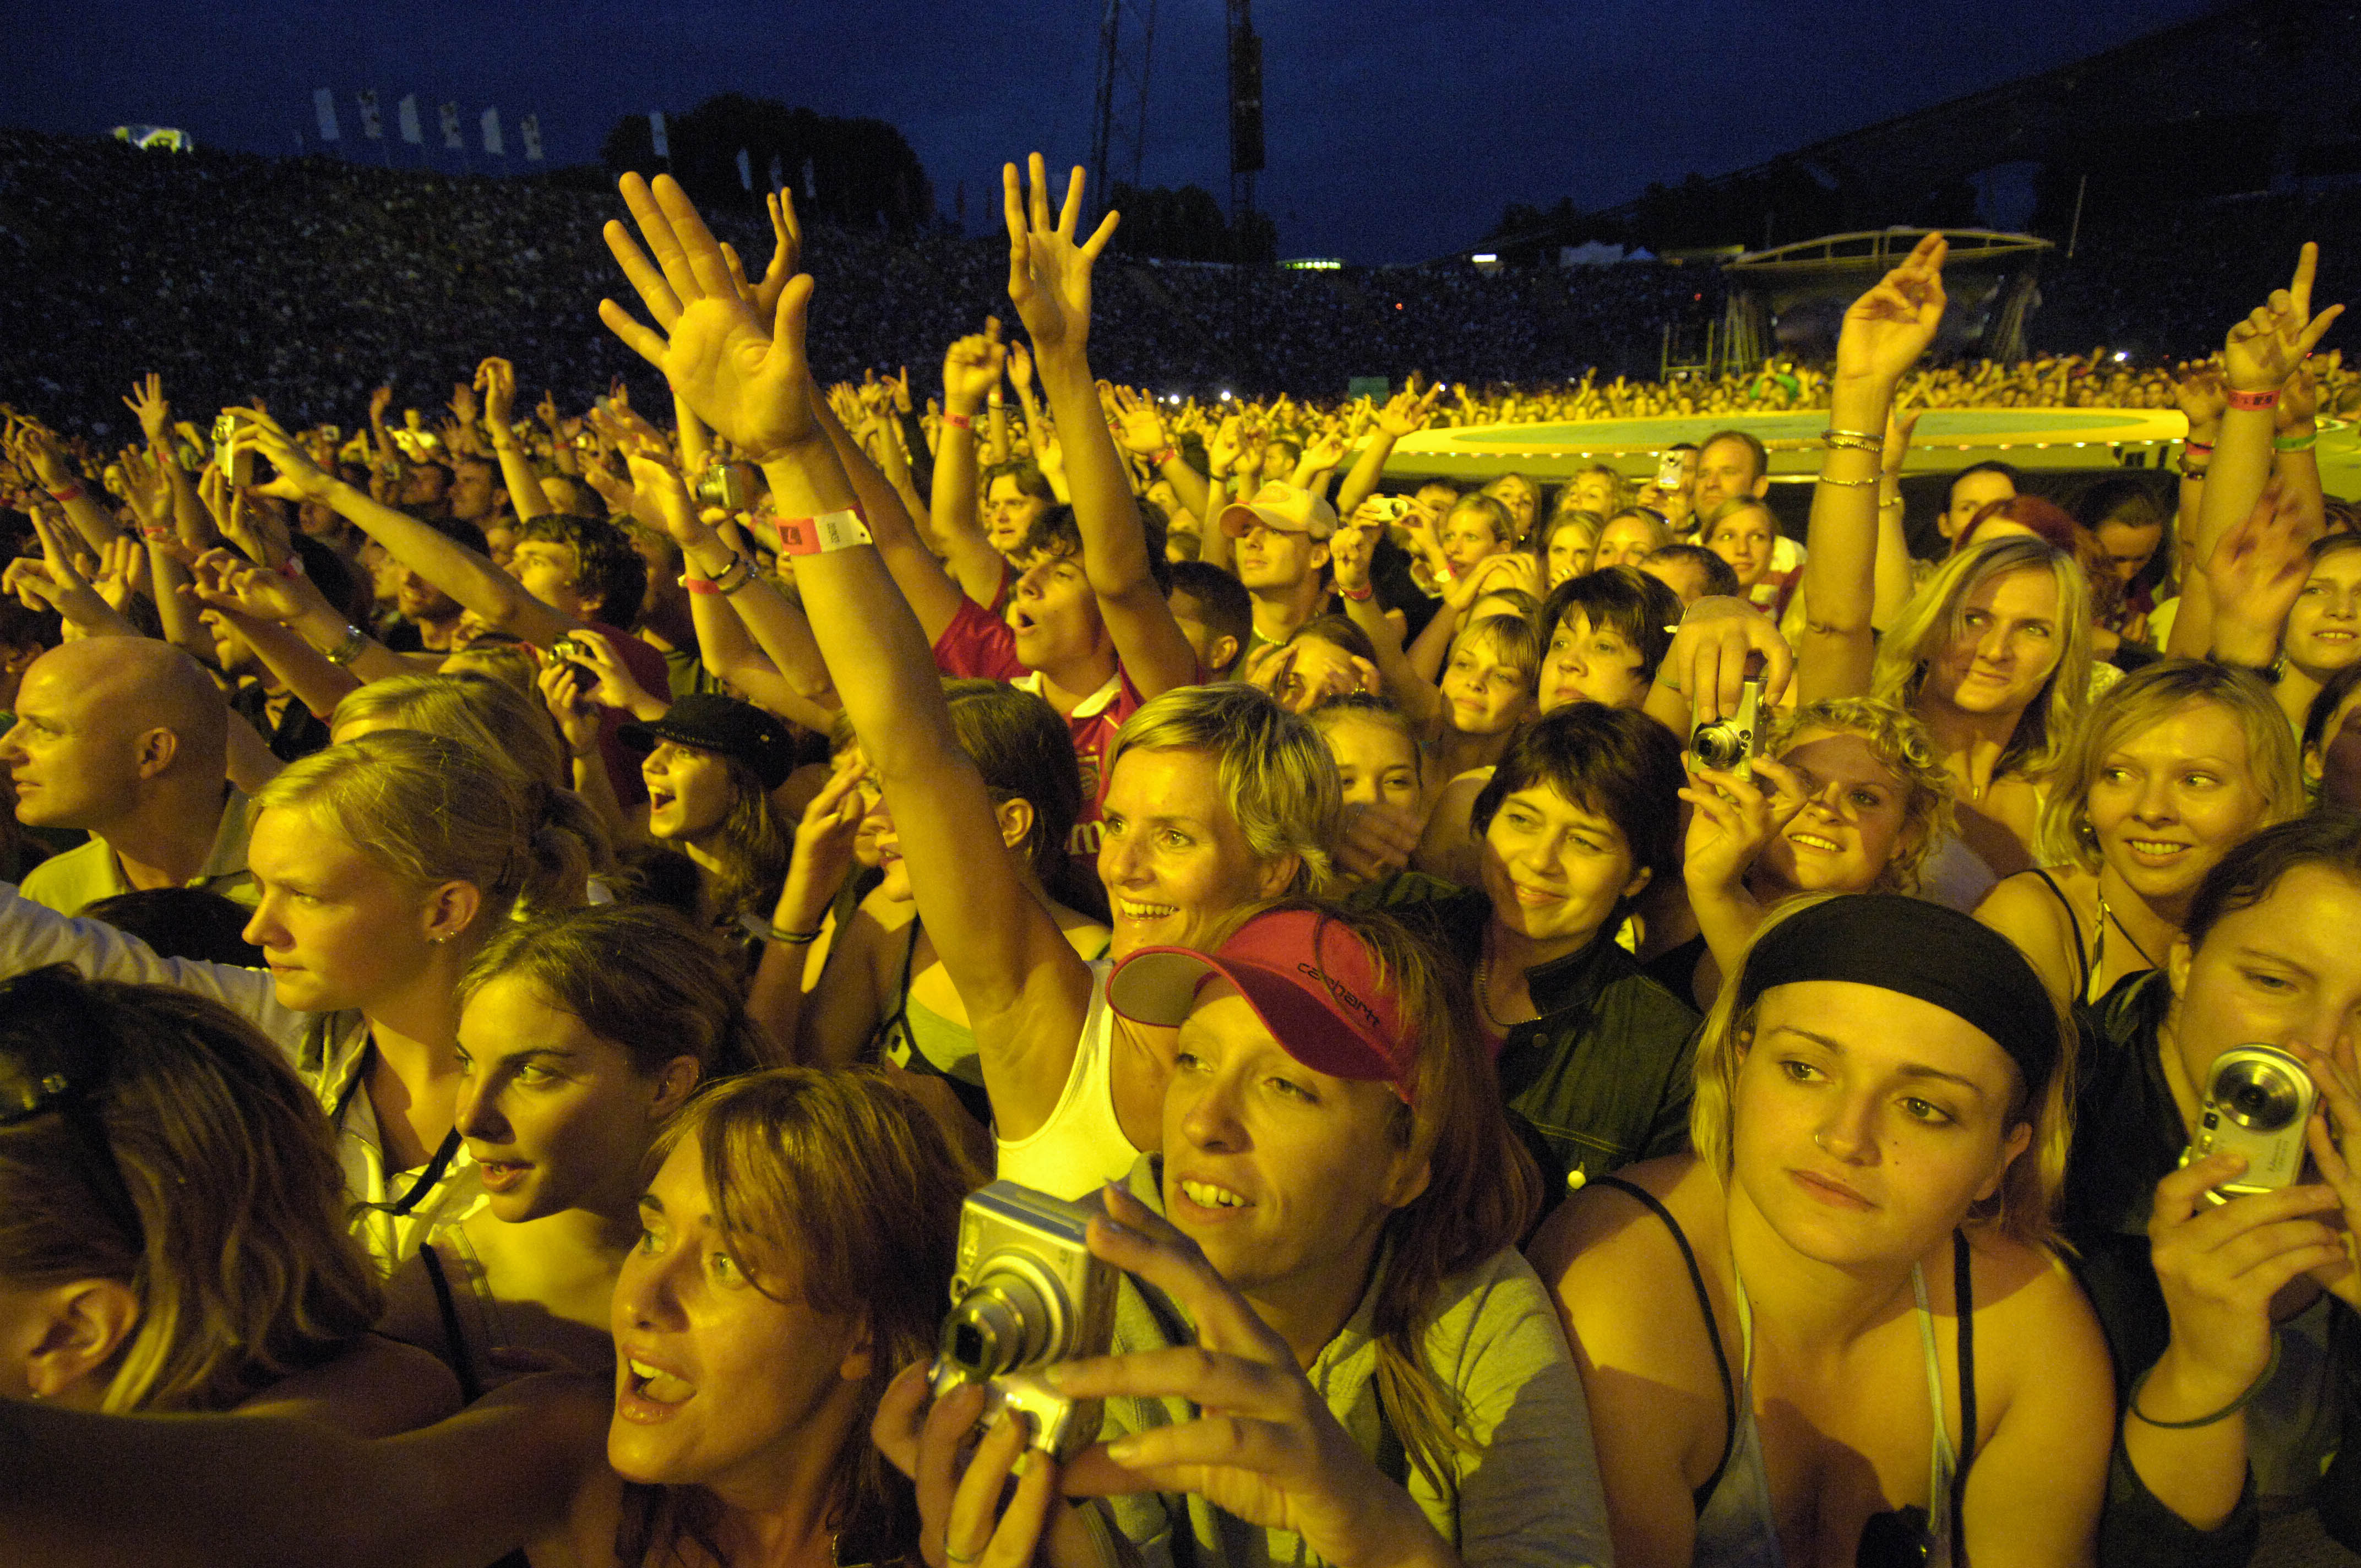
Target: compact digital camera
1731 744
2258 1101
722 485
1027 1293
1671 469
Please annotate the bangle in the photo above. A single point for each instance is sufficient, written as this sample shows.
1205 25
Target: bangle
72 492
763 931
959 421
2255 402
2295 443
348 648
1889 501
1368 590
735 576
1852 440
1850 483
2224 1413
817 535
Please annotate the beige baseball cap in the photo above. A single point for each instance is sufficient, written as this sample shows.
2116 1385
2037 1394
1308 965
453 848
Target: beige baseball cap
1288 509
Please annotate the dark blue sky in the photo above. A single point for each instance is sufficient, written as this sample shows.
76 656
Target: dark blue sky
1396 130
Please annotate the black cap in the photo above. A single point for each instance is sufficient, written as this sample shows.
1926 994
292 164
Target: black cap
711 722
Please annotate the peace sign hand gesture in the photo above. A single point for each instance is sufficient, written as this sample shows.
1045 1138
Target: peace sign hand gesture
2265 350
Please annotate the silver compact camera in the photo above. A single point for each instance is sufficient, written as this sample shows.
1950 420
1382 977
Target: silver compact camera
1731 744
2258 1101
723 485
1027 1293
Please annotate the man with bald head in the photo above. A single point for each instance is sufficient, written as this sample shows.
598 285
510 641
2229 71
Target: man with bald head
128 739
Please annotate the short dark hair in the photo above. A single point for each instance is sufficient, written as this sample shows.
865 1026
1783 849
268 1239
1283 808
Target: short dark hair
1991 465
1024 752
1615 762
1223 603
181 923
2246 876
1718 578
1030 480
1754 448
1055 533
608 564
1632 604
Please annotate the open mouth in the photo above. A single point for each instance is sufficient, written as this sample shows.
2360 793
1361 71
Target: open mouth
499 1175
1130 910
659 798
648 1385
1814 841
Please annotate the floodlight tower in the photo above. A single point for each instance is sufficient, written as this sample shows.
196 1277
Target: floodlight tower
1246 112
1126 42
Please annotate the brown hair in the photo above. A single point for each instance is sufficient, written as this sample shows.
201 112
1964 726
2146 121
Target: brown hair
838 1187
214 1191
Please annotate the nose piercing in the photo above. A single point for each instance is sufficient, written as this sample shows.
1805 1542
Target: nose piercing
1819 1139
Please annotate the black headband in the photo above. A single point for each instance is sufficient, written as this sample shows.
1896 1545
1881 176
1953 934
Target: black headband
1920 949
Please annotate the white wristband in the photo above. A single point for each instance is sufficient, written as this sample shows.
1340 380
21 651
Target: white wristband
817 535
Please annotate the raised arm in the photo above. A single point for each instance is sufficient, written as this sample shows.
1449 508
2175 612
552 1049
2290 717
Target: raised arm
2258 357
1405 413
970 371
1050 281
1884 332
1027 991
496 378
498 599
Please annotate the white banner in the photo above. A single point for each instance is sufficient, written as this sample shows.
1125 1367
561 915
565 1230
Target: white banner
452 139
492 133
407 111
656 133
324 101
529 133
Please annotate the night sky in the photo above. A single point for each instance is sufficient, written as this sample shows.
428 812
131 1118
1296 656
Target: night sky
1397 131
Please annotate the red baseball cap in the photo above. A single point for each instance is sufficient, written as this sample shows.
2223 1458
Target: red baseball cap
1311 980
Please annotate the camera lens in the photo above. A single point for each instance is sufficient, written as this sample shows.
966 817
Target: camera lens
1000 1325
1717 746
2258 1096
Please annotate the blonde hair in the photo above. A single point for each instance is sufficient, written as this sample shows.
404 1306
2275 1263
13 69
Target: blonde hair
1903 748
509 729
2025 1207
187 1161
433 810
1936 615
2146 697
1277 776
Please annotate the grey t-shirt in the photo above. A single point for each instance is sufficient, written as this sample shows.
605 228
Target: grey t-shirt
1527 1495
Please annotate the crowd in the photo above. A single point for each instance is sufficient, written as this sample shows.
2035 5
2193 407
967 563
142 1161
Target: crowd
1512 1026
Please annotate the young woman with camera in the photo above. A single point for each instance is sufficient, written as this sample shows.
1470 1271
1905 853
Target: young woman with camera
2175 765
385 864
1326 1347
1838 1331
2236 1344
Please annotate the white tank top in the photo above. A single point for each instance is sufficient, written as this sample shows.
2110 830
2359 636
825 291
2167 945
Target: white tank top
1083 1142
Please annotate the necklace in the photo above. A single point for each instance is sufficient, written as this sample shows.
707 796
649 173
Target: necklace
1484 999
2106 914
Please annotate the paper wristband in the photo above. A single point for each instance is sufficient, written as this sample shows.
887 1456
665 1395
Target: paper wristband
817 535
2253 403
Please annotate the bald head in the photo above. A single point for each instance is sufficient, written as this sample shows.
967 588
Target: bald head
107 725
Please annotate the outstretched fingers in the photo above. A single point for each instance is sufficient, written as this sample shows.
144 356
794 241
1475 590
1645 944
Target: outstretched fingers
663 245
707 272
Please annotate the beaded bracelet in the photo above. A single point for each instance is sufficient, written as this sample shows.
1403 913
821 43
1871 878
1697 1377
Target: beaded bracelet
2223 1414
1850 483
763 931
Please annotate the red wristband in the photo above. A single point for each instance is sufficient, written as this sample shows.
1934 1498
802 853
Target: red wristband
700 585
291 567
2255 402
2198 445
1167 456
959 421
1367 589
70 493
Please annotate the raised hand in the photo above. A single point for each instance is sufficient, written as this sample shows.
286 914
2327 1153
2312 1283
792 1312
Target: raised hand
463 403
1048 272
2265 350
1888 328
661 484
565 691
717 352
155 414
223 579
1020 367
380 400
496 378
787 252
2257 571
1734 818
972 367
2201 395
1138 425
300 479
1406 413
1350 551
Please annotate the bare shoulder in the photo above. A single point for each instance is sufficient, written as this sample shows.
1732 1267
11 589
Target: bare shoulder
1602 1234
